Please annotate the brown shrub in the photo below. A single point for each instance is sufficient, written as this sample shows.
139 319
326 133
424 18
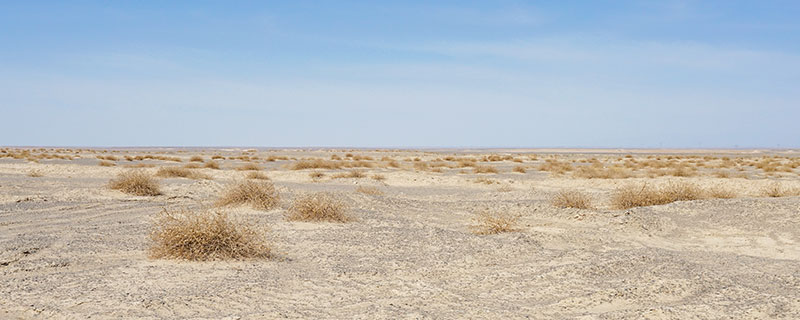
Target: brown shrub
35 173
259 195
249 166
492 222
601 172
776 190
257 175
572 199
106 164
316 164
369 190
204 236
486 181
316 175
520 169
378 177
135 182
320 206
350 174
644 195
178 172
719 192
555 166
484 169
211 164
196 159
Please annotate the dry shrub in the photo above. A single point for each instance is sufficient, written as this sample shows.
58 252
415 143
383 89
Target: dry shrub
196 159
249 166
644 195
258 194
35 173
555 166
104 163
217 157
350 174
505 188
369 190
211 164
776 190
257 175
484 169
601 172
204 236
492 222
486 181
135 182
321 206
719 192
178 172
572 199
316 175
316 164
140 165
378 177
520 169
193 166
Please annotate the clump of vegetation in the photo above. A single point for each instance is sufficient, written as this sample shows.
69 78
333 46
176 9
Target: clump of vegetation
104 163
204 236
178 172
572 199
249 167
555 166
257 175
35 173
316 164
258 194
211 164
520 169
486 181
378 177
719 192
776 190
316 175
644 195
484 169
350 174
136 182
492 222
369 190
196 159
317 207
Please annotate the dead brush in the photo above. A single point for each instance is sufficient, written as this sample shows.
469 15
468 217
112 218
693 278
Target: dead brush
572 199
196 159
211 164
719 192
520 169
249 167
373 191
484 169
318 207
260 195
205 236
178 172
135 182
104 163
640 196
555 166
777 190
316 164
257 175
316 175
35 173
378 177
355 174
493 222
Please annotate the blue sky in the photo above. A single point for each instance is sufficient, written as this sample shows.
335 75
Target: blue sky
406 73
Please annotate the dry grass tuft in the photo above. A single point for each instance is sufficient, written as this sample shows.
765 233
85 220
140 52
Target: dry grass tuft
484 169
204 236
320 206
257 175
196 159
644 195
777 190
211 164
350 174
378 177
258 194
316 164
719 192
486 181
572 199
35 173
135 182
178 172
369 190
316 175
494 222
249 166
104 163
520 169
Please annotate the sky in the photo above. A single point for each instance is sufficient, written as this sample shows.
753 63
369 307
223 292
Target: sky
635 74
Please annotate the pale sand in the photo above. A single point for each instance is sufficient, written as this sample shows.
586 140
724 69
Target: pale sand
71 248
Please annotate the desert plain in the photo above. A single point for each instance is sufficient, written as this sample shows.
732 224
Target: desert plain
429 234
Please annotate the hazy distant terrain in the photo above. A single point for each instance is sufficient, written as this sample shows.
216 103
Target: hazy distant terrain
656 234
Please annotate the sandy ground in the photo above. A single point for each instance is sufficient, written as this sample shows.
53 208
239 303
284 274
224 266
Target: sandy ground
73 249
